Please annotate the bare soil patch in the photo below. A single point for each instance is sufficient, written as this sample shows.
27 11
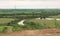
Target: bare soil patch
42 32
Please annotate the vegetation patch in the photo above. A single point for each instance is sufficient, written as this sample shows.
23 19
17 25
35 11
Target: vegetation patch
3 29
5 20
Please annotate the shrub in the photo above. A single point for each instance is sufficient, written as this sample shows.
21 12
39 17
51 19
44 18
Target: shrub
33 25
5 30
12 23
17 27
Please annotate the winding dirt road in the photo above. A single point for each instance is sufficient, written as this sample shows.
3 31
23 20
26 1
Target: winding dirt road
49 18
22 21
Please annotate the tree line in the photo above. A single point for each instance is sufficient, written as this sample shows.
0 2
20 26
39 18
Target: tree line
32 14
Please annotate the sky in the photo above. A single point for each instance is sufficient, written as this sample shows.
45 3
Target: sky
30 4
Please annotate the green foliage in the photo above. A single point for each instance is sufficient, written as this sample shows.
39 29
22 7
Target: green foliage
33 25
3 29
13 23
5 20
17 27
19 14
25 13
28 26
43 23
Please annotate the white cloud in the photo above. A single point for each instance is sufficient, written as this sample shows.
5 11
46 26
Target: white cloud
29 4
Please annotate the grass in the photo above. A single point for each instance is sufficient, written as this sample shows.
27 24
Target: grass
32 24
56 16
3 29
5 20
46 23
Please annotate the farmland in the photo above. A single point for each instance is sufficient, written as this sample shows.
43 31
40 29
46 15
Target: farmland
46 23
5 20
9 18
25 13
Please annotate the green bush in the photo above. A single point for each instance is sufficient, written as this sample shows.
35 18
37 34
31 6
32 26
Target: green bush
12 23
33 25
3 29
17 27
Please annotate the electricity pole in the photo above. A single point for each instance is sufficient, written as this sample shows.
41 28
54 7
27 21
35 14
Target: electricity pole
15 10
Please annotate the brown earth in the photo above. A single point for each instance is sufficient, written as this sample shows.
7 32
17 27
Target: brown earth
42 32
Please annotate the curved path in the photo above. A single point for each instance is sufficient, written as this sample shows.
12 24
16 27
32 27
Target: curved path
50 19
21 22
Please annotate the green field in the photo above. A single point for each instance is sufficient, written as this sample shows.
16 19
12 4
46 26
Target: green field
10 17
5 20
2 29
56 16
25 13
47 23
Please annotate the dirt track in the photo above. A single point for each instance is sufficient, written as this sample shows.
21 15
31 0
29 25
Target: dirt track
43 32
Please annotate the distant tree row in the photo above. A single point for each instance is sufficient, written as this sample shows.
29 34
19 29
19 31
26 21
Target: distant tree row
40 14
